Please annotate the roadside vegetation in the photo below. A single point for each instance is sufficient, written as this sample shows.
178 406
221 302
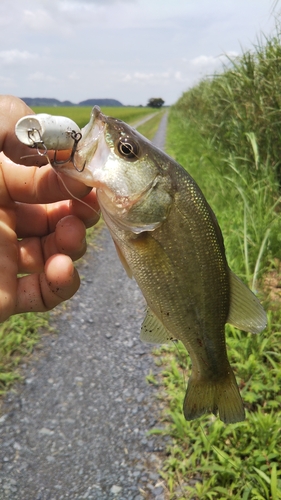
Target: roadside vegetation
22 332
226 132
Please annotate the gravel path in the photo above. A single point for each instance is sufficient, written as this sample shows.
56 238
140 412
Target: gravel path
143 120
77 428
160 136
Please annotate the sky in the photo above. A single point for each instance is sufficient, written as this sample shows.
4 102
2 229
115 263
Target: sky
129 50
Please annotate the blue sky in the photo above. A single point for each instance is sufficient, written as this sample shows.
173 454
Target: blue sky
129 50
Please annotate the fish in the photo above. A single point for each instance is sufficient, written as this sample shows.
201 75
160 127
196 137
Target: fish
169 240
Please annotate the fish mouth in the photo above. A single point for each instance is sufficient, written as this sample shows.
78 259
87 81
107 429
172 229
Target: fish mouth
91 136
98 115
91 151
94 129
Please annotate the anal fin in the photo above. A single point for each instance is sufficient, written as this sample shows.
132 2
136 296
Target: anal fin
153 331
245 312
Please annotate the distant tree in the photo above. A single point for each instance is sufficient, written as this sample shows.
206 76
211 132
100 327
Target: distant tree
155 102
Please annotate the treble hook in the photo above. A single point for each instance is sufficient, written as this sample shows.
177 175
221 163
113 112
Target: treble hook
76 136
37 141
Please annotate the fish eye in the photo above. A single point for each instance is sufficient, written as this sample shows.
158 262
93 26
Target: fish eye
128 148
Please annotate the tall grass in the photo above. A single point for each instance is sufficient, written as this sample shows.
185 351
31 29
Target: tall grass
226 133
242 103
246 206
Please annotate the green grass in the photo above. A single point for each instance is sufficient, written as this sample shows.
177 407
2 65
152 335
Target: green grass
237 173
18 335
81 114
208 459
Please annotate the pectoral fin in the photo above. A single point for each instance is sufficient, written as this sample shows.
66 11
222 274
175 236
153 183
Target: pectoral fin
246 312
153 331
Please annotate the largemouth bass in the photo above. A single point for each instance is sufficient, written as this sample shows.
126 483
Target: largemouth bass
169 240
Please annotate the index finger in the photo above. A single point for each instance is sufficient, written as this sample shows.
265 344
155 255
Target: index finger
39 185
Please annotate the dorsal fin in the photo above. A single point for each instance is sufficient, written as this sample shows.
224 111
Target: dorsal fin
245 312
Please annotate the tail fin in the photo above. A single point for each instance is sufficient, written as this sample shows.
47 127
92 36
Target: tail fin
220 395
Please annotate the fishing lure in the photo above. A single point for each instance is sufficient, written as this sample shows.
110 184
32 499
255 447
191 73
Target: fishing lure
46 132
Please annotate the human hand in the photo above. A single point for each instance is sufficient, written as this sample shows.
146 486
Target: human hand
41 230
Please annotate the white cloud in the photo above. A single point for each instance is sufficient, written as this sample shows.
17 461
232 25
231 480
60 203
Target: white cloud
73 76
180 78
37 20
142 77
15 56
42 77
204 61
6 82
126 78
77 3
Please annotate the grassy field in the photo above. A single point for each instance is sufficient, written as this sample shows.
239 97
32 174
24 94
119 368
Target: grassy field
81 114
238 174
20 333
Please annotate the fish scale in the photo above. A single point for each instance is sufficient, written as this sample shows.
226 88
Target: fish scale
186 302
183 292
